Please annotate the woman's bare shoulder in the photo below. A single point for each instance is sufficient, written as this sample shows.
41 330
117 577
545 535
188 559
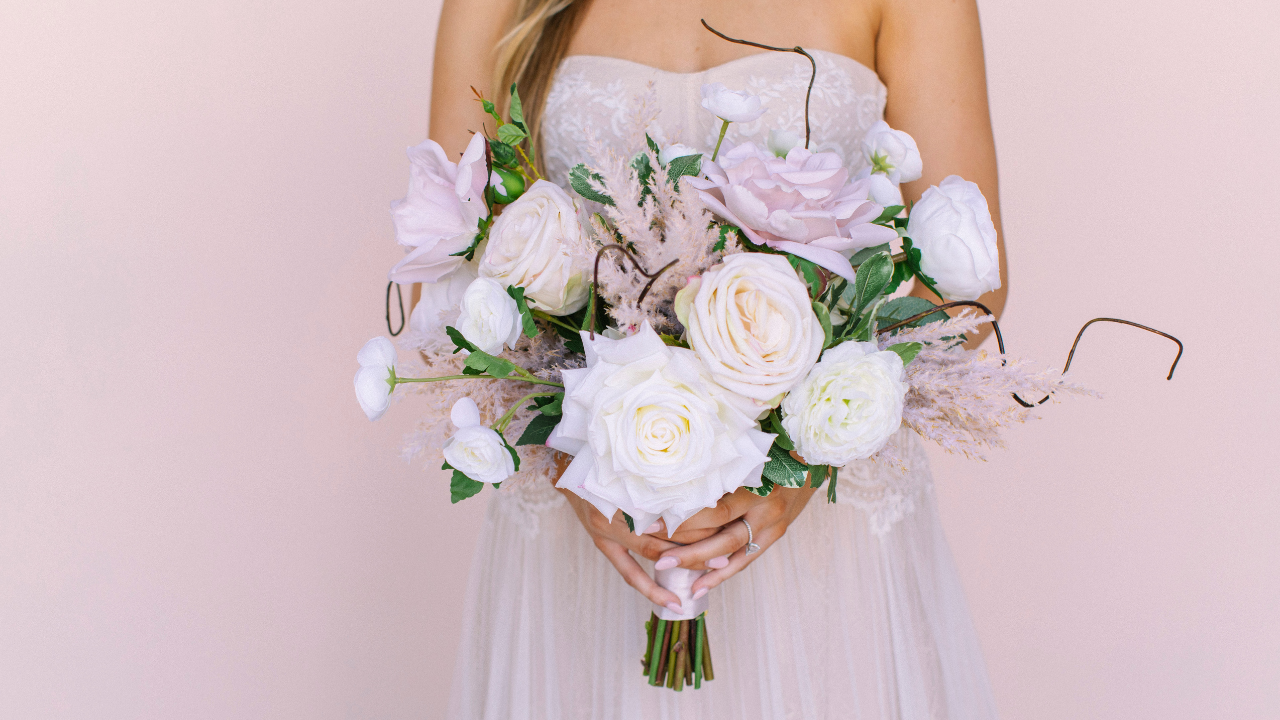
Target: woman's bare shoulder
464 58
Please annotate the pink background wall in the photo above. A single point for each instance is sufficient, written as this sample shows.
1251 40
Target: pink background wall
197 521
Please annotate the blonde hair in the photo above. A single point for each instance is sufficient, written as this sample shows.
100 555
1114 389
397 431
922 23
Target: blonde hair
529 54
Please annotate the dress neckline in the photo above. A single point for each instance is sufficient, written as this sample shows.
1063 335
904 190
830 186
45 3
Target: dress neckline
721 66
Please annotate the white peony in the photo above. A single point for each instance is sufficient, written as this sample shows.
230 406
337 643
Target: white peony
489 316
439 215
729 105
951 225
892 153
849 405
529 247
751 321
475 450
652 433
671 152
377 359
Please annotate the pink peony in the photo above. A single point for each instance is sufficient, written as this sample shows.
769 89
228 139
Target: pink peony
440 213
803 204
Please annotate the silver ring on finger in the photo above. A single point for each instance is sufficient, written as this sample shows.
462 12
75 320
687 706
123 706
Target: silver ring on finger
751 546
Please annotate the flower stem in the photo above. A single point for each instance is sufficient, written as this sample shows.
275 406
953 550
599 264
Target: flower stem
723 129
553 320
528 379
529 162
511 413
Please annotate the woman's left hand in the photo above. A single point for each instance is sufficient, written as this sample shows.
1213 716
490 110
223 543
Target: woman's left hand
718 537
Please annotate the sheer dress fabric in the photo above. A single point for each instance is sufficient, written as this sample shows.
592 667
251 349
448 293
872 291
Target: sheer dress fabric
856 613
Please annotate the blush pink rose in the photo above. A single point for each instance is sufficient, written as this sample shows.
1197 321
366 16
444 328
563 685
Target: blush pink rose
440 213
803 204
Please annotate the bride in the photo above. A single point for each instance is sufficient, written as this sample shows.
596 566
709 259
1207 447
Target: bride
852 610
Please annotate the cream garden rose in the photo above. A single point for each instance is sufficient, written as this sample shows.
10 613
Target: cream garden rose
849 405
751 322
652 433
490 317
475 450
529 247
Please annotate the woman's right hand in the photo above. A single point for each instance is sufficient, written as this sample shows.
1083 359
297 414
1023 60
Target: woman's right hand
617 542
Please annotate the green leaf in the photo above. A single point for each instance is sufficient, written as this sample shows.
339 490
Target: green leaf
511 134
581 179
906 351
901 273
631 524
809 272
888 215
773 423
818 475
462 487
673 341
515 456
503 154
491 364
872 278
644 173
538 430
824 318
526 315
725 231
460 342
549 404
831 487
516 111
899 309
862 255
684 165
652 145
766 487
866 326
783 469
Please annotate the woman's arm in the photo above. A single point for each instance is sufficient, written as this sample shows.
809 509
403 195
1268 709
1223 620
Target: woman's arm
929 55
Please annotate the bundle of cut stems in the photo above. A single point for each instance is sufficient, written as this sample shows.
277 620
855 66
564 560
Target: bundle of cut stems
677 653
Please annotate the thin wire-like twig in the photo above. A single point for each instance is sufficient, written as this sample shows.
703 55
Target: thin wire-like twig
1000 338
400 300
797 49
595 279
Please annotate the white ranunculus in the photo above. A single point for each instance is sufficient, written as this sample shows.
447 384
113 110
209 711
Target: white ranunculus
781 141
529 247
440 213
730 105
892 153
475 450
952 227
671 152
489 316
652 433
849 405
751 321
377 358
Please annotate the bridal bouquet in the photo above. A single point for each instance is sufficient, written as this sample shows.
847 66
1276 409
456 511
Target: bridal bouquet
688 322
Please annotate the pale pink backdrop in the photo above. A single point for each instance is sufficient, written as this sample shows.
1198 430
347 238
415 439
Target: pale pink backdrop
196 520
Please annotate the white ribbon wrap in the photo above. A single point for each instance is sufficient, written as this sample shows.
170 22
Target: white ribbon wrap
680 581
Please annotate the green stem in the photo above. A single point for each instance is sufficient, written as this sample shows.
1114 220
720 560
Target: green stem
529 379
511 413
554 320
529 162
723 129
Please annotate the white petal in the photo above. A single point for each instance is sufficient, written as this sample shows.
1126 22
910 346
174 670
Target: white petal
378 352
465 413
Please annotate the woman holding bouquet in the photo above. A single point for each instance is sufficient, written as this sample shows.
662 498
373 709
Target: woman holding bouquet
849 610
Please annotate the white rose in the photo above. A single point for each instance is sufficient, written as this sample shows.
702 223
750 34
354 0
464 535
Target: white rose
849 405
440 213
475 450
489 317
884 192
671 152
952 227
377 359
729 105
652 433
528 247
440 303
751 321
892 153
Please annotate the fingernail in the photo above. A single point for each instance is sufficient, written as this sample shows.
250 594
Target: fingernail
653 528
666 563
700 593
674 607
716 563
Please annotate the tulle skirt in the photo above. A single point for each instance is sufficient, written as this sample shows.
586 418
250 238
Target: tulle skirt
856 613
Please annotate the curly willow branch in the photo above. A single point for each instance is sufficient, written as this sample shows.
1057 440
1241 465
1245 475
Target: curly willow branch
797 49
595 278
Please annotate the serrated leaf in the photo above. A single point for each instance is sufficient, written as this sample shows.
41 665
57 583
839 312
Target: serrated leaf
511 134
783 469
462 487
581 179
503 154
460 342
538 430
549 404
491 364
644 173
872 278
899 309
526 315
684 165
824 319
906 351
652 145
516 111
631 526
862 255
766 487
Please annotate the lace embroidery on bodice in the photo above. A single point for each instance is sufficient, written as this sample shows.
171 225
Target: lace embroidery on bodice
590 99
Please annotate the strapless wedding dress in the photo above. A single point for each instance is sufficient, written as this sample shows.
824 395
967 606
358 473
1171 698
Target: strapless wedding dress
856 613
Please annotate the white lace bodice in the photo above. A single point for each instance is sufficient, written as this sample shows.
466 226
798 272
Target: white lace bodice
589 101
